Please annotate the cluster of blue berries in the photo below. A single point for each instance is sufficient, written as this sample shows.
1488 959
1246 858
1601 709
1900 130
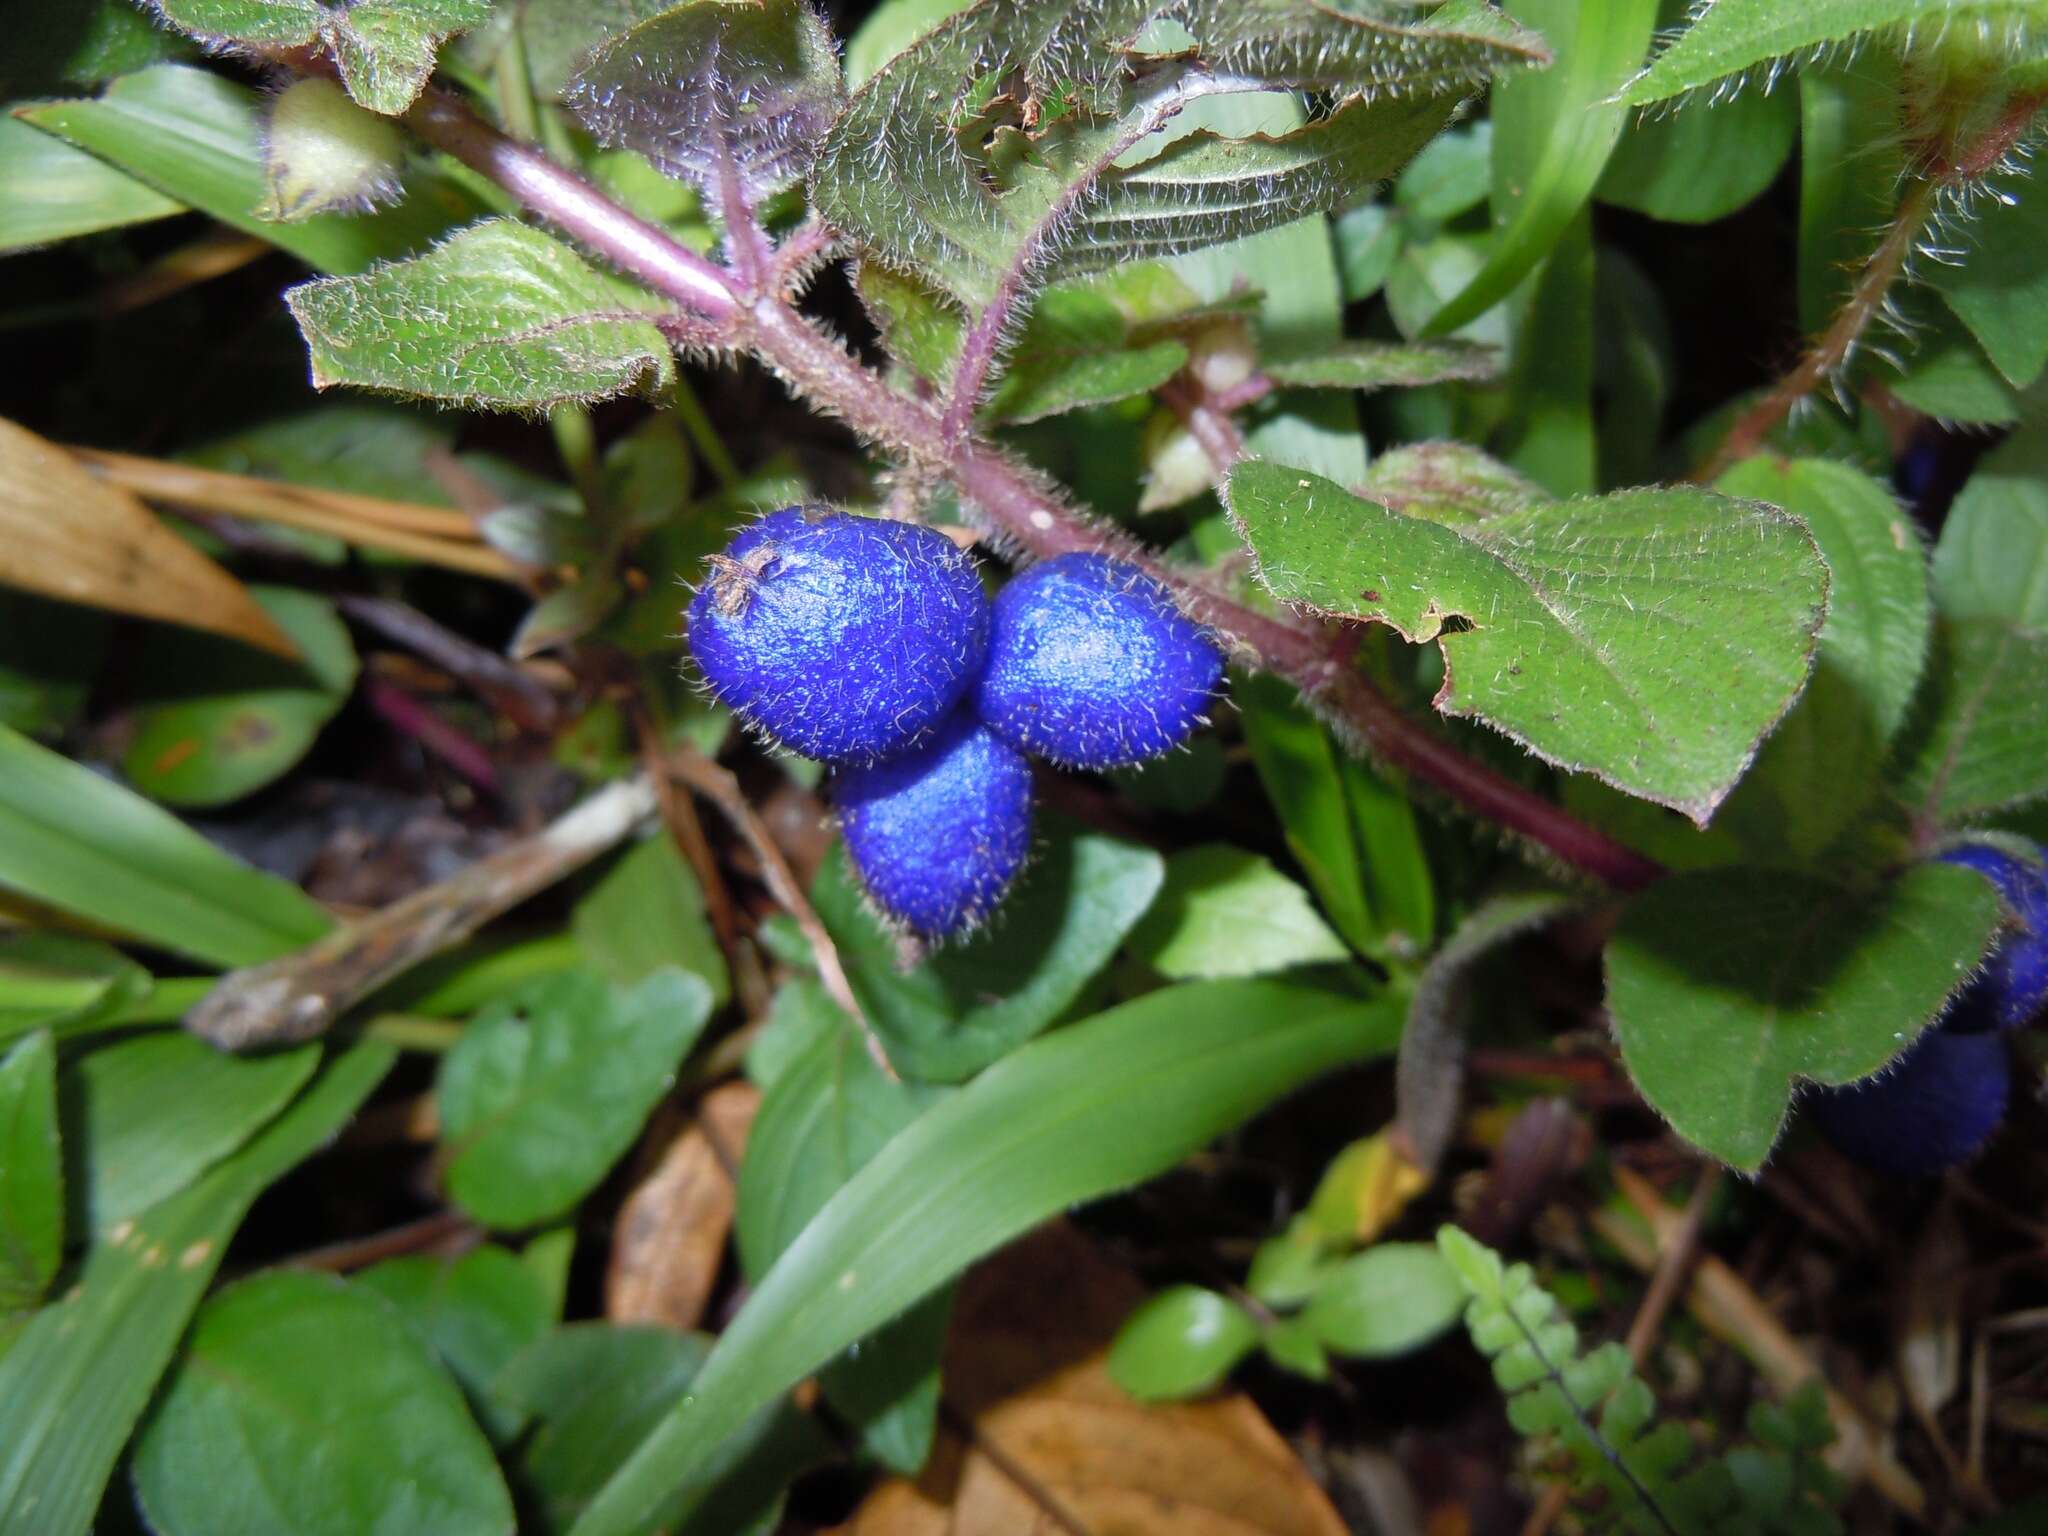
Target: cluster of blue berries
1939 1102
871 646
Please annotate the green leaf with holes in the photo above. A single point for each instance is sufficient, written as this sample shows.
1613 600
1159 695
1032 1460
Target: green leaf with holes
1649 637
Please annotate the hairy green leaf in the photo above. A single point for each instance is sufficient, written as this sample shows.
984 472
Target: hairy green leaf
76 1379
31 1173
149 1114
501 315
732 95
1819 770
1978 748
549 1085
1997 283
1006 139
1733 37
1429 1074
1729 986
1383 365
1447 482
1054 1124
322 152
981 997
1992 561
1226 912
50 191
1553 131
196 137
303 1403
385 48
1695 167
81 844
1649 637
1850 161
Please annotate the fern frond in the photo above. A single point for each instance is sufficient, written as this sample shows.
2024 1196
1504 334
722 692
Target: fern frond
1590 1412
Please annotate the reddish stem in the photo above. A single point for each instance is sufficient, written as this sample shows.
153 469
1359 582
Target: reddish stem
1021 507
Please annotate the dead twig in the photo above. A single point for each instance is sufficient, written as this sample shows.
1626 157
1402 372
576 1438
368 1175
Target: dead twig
723 790
300 995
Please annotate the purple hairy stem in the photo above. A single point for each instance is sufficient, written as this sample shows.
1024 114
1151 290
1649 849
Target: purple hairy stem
1017 506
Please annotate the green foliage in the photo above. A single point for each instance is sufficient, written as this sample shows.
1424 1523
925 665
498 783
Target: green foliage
1553 132
1226 912
1819 771
1594 1415
550 1084
904 167
196 138
385 48
31 1173
1045 1128
977 999
50 191
476 1313
221 721
1181 1343
728 94
311 1373
78 843
501 315
1605 680
1729 986
1997 288
147 1114
1733 37
63 984
646 913
74 1382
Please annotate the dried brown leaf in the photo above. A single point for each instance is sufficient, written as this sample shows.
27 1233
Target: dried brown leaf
1057 1447
671 1236
66 533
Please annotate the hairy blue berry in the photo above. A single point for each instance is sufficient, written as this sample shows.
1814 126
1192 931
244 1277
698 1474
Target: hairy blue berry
1091 665
2012 987
844 638
1931 1109
938 833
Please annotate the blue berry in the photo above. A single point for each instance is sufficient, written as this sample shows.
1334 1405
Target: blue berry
2012 987
938 833
1931 1109
1091 665
844 638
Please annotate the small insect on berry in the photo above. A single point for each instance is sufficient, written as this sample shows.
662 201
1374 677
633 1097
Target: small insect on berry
1092 665
2012 988
844 638
1931 1109
938 833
